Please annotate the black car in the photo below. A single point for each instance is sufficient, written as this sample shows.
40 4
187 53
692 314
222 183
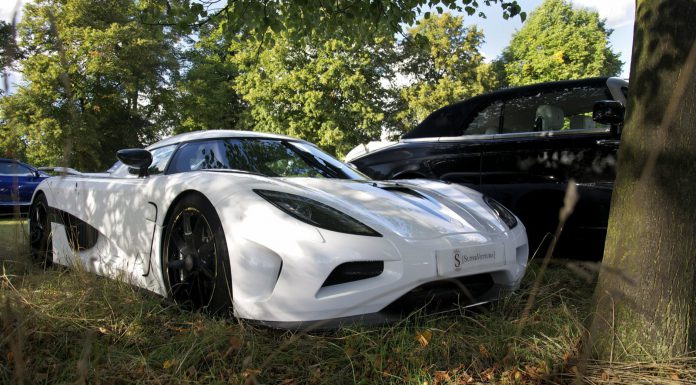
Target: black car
521 146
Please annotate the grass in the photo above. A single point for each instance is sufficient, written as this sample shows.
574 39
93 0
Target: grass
62 326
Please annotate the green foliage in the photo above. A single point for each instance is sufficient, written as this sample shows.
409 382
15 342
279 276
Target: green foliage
206 95
442 58
326 91
8 48
97 81
352 20
558 43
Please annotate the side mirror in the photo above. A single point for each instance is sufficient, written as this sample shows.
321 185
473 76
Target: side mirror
137 158
608 112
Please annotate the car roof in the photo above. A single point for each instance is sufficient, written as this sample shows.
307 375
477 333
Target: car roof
445 119
217 134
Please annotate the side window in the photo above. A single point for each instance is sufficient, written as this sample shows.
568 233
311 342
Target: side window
160 158
555 110
14 169
201 155
487 121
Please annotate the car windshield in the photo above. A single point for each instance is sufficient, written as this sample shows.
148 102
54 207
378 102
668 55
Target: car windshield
268 157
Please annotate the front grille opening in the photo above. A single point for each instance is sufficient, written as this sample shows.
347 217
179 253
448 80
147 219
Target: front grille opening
354 271
442 295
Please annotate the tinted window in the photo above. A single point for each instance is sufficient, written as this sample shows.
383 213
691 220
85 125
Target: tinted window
15 169
486 121
551 111
270 157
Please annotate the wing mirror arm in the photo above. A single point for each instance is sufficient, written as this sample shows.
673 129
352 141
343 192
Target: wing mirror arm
136 158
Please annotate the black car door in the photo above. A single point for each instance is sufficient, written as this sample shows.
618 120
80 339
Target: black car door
545 140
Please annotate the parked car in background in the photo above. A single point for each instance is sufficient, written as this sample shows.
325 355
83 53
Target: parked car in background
277 230
521 146
17 183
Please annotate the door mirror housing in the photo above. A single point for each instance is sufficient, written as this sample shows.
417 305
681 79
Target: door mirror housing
137 158
608 112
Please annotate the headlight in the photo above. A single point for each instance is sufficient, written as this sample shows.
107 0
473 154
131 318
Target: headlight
503 213
316 213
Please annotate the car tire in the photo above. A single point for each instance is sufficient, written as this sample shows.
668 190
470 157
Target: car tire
40 236
195 261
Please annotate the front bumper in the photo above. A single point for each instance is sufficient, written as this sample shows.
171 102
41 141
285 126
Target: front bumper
279 280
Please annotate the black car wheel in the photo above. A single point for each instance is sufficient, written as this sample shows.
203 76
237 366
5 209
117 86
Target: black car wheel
40 238
195 261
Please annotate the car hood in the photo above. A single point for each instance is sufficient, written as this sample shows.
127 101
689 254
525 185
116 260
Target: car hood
411 209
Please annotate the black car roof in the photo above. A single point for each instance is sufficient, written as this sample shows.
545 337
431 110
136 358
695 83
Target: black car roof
448 120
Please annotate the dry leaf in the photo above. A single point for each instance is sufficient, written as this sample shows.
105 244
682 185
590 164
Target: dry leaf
441 376
675 377
10 356
424 337
235 343
168 364
484 352
103 330
251 372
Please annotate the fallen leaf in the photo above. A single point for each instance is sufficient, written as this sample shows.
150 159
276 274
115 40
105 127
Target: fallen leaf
441 376
675 377
251 372
484 352
168 364
103 330
10 356
235 343
424 337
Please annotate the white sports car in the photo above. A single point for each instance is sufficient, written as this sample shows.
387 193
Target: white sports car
276 230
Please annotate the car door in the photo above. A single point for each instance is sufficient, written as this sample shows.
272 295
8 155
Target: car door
545 140
17 183
121 207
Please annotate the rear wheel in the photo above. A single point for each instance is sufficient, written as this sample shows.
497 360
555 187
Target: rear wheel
195 261
40 238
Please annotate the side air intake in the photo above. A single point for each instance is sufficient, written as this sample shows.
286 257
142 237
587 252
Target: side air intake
354 271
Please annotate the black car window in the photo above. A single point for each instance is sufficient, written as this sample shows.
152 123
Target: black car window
553 111
14 169
486 121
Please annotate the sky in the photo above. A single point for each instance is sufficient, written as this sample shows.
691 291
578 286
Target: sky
619 15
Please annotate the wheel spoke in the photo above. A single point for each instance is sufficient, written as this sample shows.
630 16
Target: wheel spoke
207 273
178 240
176 264
206 249
188 231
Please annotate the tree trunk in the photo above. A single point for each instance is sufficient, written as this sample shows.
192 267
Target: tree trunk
646 293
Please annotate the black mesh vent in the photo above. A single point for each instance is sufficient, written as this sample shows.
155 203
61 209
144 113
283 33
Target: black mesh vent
443 294
354 271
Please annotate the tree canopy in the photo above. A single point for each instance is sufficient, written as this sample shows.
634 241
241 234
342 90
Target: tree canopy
96 81
441 58
559 42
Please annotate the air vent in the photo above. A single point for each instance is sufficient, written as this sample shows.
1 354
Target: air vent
354 271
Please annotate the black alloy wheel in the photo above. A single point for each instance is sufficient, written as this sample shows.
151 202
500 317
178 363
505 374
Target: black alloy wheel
40 238
194 259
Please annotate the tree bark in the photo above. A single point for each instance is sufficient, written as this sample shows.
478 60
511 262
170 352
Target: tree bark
646 292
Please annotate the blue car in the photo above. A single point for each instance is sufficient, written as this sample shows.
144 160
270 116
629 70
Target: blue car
17 183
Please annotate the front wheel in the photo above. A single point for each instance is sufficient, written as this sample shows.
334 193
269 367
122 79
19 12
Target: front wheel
195 262
40 238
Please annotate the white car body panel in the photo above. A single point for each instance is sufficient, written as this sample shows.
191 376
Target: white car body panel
279 263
